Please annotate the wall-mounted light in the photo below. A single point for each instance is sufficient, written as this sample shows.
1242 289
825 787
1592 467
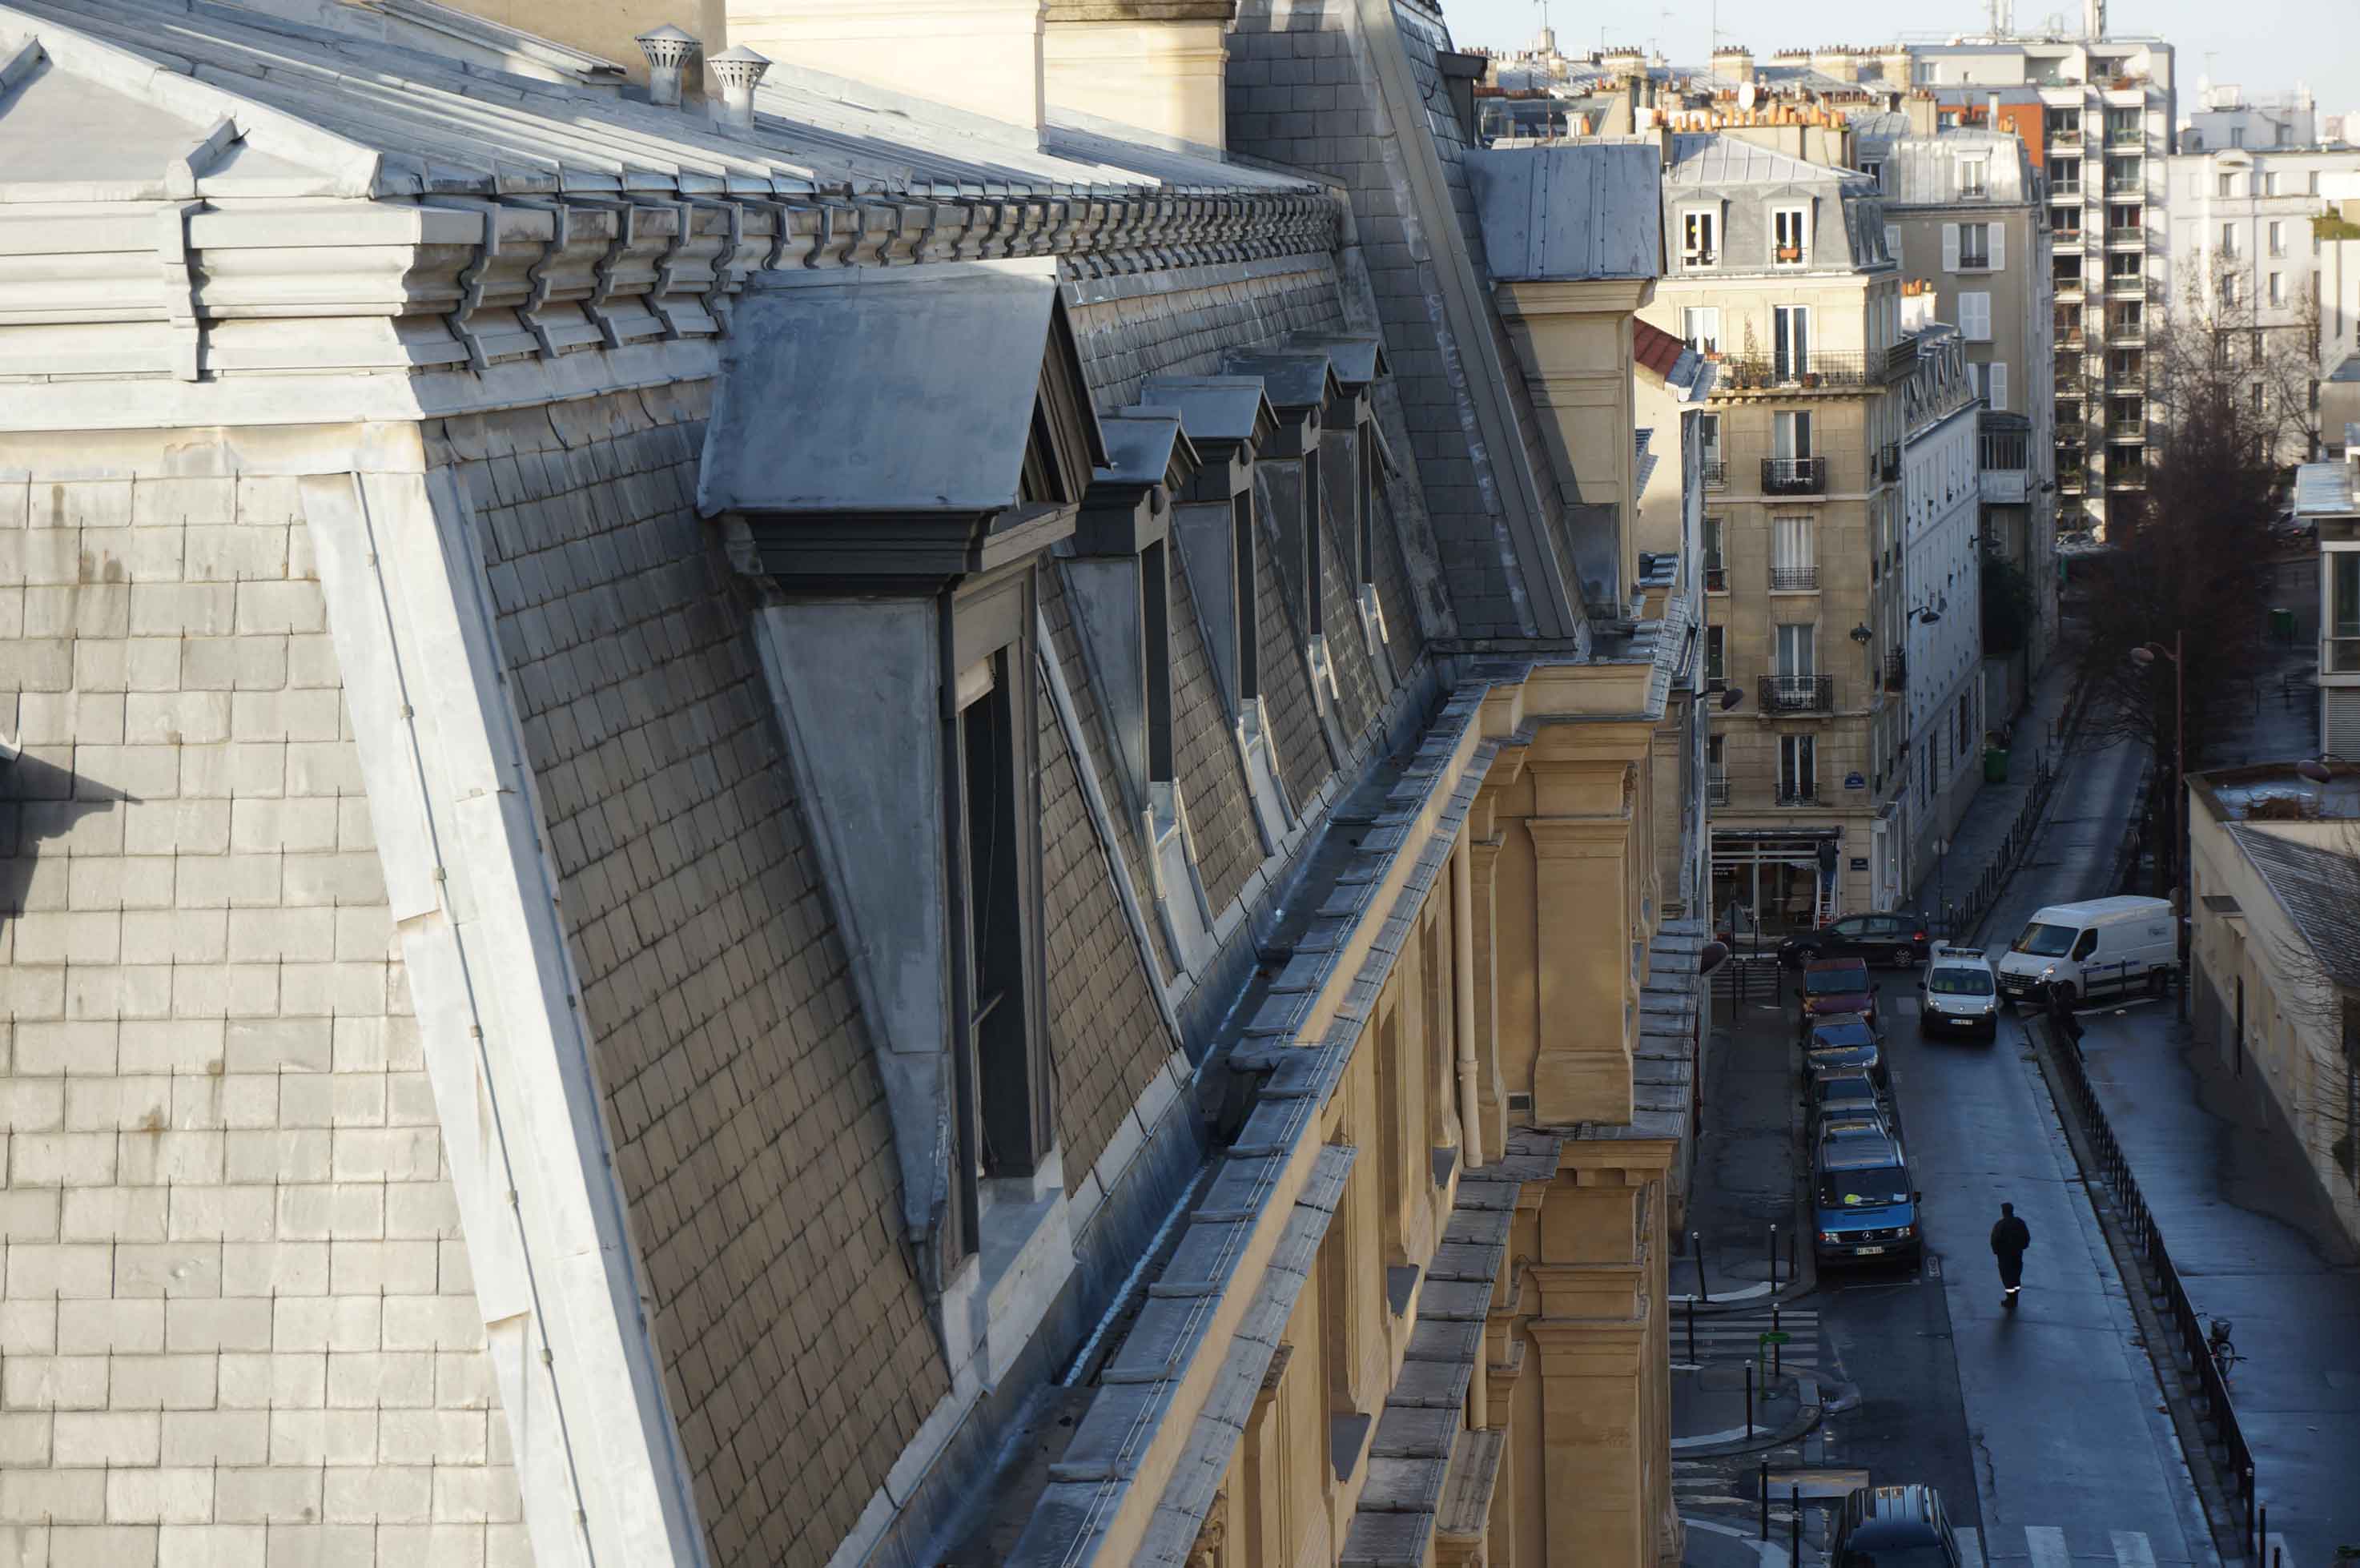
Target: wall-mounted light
1861 635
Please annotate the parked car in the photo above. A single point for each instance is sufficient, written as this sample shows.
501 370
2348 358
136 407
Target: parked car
1958 995
1890 937
1839 1093
1843 1042
1895 1527
1856 1125
1837 986
2097 948
1863 1205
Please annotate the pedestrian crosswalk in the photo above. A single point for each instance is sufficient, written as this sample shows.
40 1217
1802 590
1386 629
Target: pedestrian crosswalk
2056 1546
1721 1338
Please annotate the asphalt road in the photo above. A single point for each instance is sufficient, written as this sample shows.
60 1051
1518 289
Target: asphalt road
2047 1419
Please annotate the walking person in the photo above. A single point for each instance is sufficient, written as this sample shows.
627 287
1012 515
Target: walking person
2008 1240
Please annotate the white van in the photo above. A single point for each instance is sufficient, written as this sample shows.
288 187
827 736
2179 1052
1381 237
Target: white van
2101 948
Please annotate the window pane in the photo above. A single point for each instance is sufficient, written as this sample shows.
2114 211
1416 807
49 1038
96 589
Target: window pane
2345 598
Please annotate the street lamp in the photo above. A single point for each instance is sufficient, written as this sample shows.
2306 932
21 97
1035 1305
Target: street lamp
2144 657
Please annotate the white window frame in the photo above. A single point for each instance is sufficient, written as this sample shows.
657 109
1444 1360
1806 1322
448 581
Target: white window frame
2229 246
1793 541
1797 219
1975 178
1892 242
1794 646
1790 434
1700 327
1695 221
2277 237
2278 288
1797 357
1798 766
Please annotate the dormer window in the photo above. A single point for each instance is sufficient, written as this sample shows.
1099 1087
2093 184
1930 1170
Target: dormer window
1975 178
1700 238
1789 230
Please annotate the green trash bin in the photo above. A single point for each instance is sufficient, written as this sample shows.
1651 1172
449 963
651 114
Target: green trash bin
1994 764
2282 623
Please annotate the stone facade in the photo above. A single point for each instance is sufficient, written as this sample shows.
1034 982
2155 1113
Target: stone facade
589 983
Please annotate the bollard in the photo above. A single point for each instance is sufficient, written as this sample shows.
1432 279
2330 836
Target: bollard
1774 1255
1765 1484
1692 1356
1696 1245
1795 1527
2262 1532
1749 1401
2250 1502
1778 1344
1791 1275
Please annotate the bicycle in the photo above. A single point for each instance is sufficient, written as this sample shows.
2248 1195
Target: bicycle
2221 1347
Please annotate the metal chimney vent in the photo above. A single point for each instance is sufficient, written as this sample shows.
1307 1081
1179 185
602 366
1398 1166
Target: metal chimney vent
669 49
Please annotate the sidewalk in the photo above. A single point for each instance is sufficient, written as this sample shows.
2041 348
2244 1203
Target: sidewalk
1976 840
1746 1177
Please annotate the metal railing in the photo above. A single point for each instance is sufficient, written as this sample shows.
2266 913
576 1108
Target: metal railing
2125 236
2005 449
1716 577
2070 339
1821 369
1888 461
2194 1355
1793 579
2065 138
1798 695
1963 915
1715 472
1716 787
1804 794
2127 283
1794 475
1896 671
2127 135
2070 283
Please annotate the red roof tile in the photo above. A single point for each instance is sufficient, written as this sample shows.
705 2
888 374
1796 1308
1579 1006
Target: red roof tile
1657 349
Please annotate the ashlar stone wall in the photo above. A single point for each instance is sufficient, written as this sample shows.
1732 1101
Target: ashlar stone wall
236 1324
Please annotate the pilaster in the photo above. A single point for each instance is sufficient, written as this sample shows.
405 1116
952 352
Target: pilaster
1582 1068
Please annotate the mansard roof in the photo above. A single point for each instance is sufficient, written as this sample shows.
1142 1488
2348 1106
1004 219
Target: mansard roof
1571 212
1704 157
341 107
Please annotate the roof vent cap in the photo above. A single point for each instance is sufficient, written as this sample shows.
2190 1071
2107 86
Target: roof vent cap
738 69
669 49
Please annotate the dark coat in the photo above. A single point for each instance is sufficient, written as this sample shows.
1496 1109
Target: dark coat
2011 1236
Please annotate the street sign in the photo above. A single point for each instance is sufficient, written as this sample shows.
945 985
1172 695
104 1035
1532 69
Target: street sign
1778 1336
1855 782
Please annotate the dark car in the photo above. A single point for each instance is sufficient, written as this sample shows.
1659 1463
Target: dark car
1841 1093
1864 1206
1837 986
1894 937
1895 1527
1843 1042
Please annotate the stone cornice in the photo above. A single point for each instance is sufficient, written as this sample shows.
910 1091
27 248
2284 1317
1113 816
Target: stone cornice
482 281
1216 11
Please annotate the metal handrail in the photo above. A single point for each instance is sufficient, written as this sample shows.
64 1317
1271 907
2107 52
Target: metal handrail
1794 475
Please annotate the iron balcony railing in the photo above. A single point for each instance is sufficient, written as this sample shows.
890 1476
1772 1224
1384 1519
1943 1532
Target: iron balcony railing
1793 579
1715 472
2005 449
2127 283
1799 693
1794 475
1716 577
1805 792
1888 461
1716 787
2126 236
2070 283
1818 371
1896 671
2127 135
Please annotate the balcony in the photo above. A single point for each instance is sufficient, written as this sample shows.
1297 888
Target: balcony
1795 579
2127 285
1716 577
2072 139
1803 793
2339 656
2128 185
2070 341
1888 461
1799 693
2069 288
2126 136
2071 480
1715 474
1794 475
1896 671
2125 473
1716 787
1816 372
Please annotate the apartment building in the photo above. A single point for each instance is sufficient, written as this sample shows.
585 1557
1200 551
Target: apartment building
2226 118
664 713
2257 230
1937 668
1776 269
2327 497
2096 116
1967 220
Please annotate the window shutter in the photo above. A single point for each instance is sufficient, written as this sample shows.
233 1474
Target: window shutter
1949 247
1999 388
1998 247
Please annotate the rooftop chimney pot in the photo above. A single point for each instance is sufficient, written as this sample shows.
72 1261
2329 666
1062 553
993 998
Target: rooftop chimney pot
669 49
738 69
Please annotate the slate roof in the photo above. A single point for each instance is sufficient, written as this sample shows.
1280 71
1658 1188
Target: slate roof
1704 157
2319 889
1567 211
2324 490
335 106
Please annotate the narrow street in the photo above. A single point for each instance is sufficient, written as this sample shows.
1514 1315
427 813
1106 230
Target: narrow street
2046 1430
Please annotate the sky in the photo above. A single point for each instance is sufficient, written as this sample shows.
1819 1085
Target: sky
2263 46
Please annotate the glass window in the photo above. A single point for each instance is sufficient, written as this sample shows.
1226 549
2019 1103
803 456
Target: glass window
2045 942
2228 185
1975 178
1874 1188
2343 597
1788 227
1701 325
2228 239
1708 439
1960 982
2277 292
2278 237
1974 245
1716 658
1699 239
1797 645
1790 434
1798 768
